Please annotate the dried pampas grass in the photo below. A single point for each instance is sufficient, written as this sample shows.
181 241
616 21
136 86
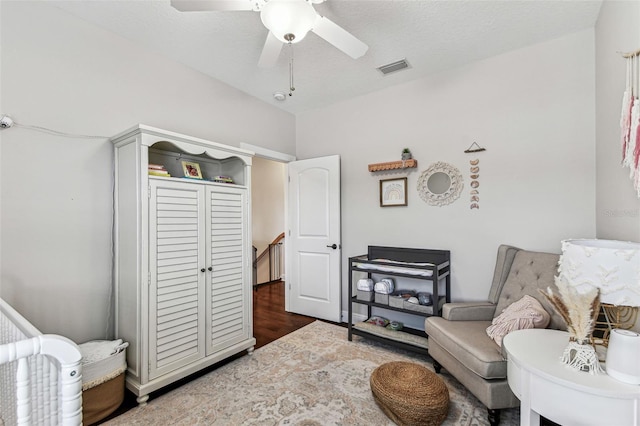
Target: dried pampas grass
579 311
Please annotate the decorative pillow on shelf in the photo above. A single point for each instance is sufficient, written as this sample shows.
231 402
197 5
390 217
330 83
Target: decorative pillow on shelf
525 313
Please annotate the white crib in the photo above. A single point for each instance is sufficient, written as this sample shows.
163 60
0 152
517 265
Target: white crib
40 374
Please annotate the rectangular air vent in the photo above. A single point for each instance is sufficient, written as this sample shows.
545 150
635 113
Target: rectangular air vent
393 67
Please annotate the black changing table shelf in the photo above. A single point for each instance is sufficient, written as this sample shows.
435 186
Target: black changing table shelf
438 268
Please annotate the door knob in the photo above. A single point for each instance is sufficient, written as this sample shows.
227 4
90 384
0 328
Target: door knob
333 246
210 268
202 270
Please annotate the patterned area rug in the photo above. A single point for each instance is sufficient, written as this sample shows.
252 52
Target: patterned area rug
311 377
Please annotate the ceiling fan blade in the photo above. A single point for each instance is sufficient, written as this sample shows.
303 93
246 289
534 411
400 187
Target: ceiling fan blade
211 5
270 51
339 37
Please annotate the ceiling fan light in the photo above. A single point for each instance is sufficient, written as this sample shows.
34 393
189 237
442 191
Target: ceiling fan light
284 17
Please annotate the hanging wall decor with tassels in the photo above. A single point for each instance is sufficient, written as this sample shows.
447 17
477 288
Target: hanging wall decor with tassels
630 119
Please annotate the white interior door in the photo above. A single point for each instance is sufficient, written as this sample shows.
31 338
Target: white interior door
313 239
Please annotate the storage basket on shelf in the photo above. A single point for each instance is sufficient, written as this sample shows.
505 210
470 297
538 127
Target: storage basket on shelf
103 366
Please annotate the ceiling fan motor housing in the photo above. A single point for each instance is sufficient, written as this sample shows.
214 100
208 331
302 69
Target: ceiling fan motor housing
288 20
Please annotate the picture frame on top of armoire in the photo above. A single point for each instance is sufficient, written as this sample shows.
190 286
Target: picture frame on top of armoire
191 170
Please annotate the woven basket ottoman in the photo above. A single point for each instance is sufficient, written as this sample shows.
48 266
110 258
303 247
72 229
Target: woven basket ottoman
410 394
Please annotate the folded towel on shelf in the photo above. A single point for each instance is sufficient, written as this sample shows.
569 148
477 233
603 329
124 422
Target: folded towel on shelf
384 286
365 284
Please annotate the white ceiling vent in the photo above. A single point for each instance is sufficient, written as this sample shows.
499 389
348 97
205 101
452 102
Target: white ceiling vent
393 67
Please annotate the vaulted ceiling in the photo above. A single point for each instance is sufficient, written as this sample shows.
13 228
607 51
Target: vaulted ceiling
433 36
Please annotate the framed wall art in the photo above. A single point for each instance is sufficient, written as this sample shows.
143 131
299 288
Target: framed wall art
393 192
191 170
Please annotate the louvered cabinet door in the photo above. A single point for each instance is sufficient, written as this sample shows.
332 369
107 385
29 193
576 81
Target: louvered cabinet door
177 284
228 283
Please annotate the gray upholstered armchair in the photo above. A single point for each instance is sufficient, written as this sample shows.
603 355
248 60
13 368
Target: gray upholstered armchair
458 340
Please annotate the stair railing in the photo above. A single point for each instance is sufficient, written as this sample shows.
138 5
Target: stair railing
275 254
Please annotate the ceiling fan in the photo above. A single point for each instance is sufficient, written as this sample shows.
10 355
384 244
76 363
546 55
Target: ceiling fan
288 21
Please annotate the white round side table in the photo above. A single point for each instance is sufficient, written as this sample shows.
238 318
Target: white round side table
548 387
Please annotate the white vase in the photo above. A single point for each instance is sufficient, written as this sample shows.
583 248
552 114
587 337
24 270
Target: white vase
582 357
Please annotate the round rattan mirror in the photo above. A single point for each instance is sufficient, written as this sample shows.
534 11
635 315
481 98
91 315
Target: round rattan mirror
441 184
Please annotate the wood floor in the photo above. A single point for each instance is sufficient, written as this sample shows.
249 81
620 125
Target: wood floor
270 322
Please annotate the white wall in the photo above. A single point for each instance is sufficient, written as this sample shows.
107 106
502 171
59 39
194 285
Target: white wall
532 109
618 206
62 73
267 207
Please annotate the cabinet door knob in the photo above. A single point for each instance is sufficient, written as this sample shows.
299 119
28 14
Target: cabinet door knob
210 268
202 270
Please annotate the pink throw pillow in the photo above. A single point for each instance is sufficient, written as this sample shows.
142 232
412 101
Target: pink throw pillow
525 313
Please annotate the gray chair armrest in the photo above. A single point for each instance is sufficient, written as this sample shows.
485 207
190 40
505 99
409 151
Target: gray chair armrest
468 311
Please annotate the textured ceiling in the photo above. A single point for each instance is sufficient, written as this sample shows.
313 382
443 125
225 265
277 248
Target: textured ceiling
432 35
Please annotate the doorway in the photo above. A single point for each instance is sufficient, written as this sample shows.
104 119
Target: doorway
268 219
311 198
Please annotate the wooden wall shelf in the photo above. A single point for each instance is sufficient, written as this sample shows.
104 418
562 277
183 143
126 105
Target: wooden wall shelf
391 165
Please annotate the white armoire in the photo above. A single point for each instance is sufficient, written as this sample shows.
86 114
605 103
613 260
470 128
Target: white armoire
182 255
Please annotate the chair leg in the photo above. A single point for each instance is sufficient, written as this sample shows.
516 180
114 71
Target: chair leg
494 417
436 366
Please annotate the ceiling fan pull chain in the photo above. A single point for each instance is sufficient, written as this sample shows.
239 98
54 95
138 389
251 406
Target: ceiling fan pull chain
291 85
